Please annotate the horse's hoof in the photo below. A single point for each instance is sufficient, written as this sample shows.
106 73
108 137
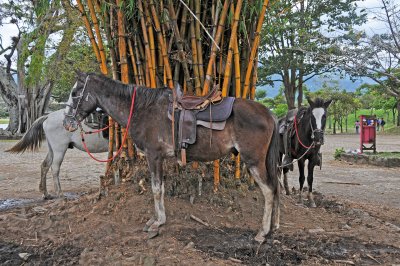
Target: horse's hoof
238 183
152 234
259 238
300 202
312 204
288 192
47 197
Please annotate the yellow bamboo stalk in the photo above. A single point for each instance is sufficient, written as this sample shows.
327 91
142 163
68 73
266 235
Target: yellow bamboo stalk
227 76
122 61
151 39
144 75
237 167
199 42
221 63
216 175
133 61
221 25
254 81
162 44
89 31
103 65
149 65
237 95
195 65
254 49
139 64
228 65
237 69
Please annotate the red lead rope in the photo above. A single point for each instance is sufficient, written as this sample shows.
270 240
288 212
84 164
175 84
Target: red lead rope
123 140
297 134
94 132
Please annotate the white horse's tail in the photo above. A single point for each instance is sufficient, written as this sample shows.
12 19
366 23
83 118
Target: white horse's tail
32 138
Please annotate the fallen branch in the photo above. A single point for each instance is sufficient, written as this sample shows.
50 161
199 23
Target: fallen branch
235 260
199 220
343 183
345 262
372 258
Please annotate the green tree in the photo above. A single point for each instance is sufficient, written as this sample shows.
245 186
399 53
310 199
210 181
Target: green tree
298 41
377 56
46 29
260 94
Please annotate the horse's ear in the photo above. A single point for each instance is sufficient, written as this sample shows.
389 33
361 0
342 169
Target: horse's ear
178 90
310 101
78 72
327 103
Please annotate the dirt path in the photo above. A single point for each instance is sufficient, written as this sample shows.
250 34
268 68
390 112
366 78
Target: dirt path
353 224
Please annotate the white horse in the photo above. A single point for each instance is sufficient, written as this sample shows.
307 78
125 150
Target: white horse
58 140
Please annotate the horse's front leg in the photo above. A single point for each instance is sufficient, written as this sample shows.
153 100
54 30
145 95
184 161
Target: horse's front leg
157 185
302 178
310 178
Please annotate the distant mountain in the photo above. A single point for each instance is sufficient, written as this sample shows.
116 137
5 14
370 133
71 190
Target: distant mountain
315 84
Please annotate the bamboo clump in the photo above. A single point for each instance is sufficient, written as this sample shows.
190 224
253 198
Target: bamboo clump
157 43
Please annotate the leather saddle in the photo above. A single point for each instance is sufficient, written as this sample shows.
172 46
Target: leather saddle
210 111
190 102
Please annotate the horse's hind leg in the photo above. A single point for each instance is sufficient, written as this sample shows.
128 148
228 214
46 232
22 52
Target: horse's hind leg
310 178
157 185
55 168
259 174
44 170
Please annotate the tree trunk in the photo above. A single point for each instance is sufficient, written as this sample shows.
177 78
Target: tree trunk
334 126
398 113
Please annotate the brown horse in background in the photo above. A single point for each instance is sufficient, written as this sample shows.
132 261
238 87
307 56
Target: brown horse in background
251 130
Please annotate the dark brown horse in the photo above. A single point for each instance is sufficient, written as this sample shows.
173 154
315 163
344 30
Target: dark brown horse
304 133
250 130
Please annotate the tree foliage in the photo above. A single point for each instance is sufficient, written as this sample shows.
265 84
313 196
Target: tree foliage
37 56
377 56
301 39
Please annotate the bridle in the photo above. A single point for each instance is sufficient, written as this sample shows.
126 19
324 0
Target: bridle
79 97
313 131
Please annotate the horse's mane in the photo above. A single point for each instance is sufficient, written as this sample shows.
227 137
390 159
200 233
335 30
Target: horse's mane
144 96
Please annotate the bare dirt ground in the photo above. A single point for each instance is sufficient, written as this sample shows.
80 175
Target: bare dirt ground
354 224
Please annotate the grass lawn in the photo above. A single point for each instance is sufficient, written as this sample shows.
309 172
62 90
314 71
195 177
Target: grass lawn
3 120
390 127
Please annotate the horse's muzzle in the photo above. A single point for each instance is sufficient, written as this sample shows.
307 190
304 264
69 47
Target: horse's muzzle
318 138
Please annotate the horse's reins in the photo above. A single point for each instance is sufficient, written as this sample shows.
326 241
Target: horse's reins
298 137
83 132
301 143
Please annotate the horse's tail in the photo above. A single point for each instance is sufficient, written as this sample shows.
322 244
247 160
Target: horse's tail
273 173
32 138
